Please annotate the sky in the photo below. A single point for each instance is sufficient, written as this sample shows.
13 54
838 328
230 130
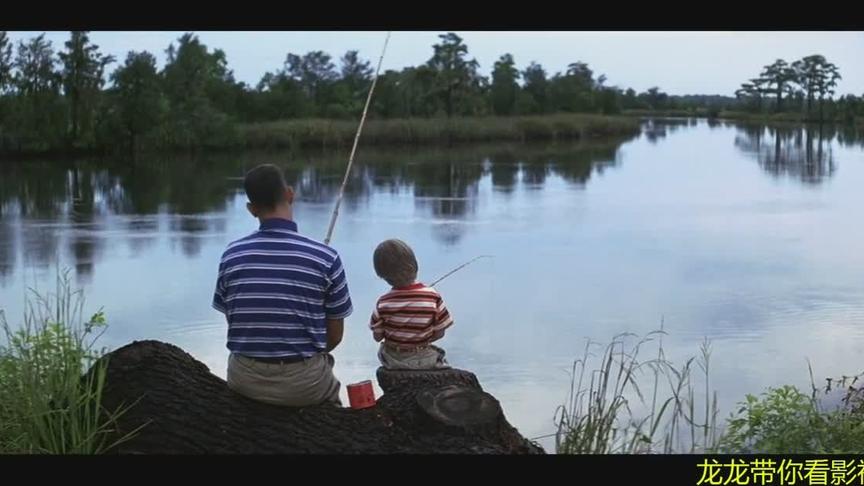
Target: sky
677 62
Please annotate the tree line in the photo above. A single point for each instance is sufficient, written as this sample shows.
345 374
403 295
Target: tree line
66 99
797 87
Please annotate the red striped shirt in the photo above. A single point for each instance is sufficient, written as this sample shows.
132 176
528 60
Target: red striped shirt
410 316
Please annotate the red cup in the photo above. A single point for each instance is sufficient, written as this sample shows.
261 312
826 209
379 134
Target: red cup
361 395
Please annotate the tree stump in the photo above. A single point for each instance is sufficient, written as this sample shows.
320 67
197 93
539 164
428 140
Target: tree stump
182 408
459 406
405 380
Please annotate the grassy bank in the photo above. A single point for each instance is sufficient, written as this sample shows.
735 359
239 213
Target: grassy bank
331 133
51 379
631 404
422 131
295 134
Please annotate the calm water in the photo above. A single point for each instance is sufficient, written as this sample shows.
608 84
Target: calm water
749 236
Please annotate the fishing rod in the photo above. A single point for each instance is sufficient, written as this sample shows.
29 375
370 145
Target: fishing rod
460 267
354 148
351 163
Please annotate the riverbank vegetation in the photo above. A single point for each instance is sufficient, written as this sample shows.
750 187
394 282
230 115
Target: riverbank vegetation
77 99
624 403
51 379
800 91
443 131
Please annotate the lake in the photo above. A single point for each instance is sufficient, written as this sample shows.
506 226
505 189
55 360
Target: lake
747 235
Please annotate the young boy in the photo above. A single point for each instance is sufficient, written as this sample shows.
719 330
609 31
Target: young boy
410 316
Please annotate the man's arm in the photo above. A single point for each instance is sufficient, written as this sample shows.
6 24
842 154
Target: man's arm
218 302
335 330
337 304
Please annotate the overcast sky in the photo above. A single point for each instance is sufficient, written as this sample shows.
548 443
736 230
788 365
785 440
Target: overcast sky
677 62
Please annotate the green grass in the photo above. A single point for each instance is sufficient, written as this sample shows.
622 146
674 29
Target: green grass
785 420
338 133
51 379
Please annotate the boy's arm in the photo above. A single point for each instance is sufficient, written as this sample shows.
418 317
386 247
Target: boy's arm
377 325
443 320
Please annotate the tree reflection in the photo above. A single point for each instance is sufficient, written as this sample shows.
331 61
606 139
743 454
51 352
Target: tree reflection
84 239
505 170
79 204
802 153
8 249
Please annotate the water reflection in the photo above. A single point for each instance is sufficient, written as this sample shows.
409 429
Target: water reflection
505 170
40 245
70 208
188 230
802 153
578 166
142 232
534 169
850 136
83 243
76 205
654 132
656 129
7 249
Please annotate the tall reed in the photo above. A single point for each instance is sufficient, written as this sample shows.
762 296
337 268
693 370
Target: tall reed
52 380
609 412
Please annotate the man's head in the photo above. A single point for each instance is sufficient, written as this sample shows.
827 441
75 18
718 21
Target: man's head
394 262
269 195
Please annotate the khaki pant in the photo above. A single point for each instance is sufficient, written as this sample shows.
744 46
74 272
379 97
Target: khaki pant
309 382
425 358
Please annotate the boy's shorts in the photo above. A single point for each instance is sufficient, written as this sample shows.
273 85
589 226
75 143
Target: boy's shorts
421 358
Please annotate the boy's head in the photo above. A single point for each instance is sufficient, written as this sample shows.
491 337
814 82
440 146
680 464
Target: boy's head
267 191
395 262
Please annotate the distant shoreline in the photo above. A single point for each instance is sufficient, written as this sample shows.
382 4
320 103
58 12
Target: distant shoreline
741 116
295 134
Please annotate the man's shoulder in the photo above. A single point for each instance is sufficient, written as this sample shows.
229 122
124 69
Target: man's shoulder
240 243
293 241
314 244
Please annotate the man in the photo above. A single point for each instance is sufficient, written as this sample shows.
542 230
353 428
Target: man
285 297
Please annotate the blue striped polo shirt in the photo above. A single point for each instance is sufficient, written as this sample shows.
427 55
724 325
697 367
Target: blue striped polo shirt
276 289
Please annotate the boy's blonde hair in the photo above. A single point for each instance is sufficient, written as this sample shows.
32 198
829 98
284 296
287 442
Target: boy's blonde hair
395 262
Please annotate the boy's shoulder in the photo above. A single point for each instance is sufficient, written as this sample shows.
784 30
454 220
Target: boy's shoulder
419 292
